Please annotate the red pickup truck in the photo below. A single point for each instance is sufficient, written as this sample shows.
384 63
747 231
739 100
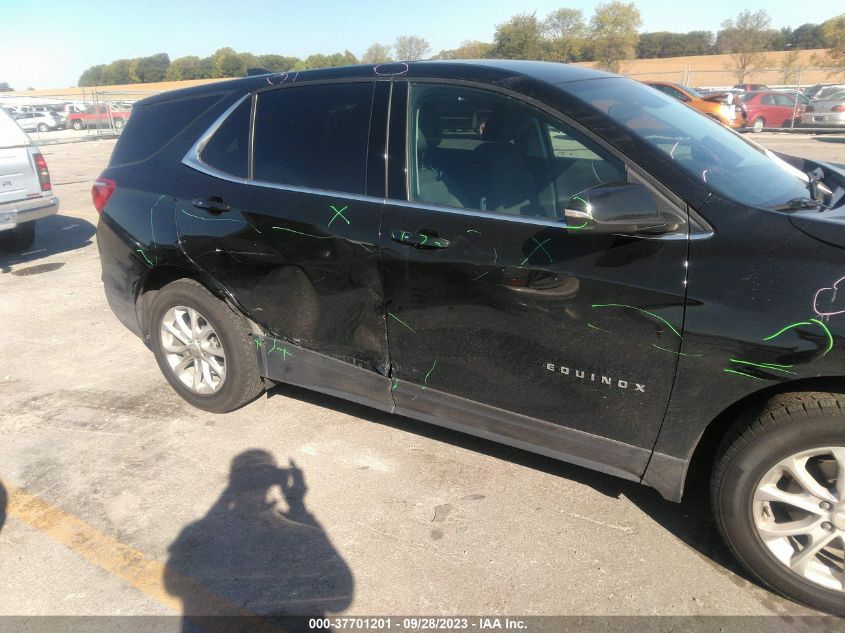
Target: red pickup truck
99 116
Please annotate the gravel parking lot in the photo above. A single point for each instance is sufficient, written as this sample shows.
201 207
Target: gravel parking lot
298 500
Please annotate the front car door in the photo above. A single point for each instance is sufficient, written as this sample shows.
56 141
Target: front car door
277 211
503 320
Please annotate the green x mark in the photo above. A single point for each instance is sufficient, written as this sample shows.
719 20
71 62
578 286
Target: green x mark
338 213
540 246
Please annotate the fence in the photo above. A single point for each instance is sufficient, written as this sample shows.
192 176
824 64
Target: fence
797 113
85 114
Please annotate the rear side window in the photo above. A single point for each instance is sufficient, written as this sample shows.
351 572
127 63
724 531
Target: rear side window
228 148
152 126
314 136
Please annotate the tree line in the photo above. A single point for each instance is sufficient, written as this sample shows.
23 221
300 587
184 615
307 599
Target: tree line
610 36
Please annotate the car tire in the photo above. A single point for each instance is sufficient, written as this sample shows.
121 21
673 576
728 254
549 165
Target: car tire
118 124
18 239
76 125
42 127
758 124
216 334
752 481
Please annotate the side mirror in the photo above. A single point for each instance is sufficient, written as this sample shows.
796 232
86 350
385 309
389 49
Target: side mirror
614 208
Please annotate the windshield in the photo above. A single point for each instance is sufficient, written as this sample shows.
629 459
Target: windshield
730 165
691 92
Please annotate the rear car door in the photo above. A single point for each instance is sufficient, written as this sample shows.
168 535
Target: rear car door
278 212
501 316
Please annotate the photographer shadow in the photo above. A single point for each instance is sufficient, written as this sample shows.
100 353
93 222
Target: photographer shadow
257 555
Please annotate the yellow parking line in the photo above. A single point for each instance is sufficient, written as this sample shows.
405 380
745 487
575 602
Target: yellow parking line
121 561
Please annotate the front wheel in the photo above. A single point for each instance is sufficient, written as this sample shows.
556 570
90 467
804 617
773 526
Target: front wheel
42 127
76 125
778 493
203 348
758 124
118 124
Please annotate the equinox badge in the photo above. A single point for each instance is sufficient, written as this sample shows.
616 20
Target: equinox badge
596 378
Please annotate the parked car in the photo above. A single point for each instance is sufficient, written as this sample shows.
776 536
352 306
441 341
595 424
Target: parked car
588 269
25 190
826 112
751 87
718 106
826 91
99 116
770 109
38 121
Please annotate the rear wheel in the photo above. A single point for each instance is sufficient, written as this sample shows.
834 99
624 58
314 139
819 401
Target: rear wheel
77 124
19 238
778 492
42 127
758 124
203 348
118 124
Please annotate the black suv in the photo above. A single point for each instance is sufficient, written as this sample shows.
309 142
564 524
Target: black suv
555 258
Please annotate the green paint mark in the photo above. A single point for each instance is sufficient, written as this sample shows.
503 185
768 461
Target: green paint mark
581 199
540 246
199 217
788 327
425 380
282 350
338 213
741 373
425 239
578 228
651 314
144 255
257 343
829 336
480 276
394 383
316 237
393 316
598 328
671 351
782 368
473 231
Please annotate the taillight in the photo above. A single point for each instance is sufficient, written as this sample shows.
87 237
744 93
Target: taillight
838 108
43 172
101 192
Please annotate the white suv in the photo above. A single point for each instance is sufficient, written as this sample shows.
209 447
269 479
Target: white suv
26 194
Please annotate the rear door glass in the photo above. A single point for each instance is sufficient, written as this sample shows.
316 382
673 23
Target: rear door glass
314 136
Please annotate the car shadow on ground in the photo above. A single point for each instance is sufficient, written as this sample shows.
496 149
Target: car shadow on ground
829 139
257 553
690 521
54 235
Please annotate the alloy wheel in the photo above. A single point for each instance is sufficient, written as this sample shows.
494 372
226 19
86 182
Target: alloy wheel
799 512
193 350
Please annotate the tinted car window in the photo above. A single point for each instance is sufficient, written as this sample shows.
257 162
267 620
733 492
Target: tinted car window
314 136
476 149
228 149
704 148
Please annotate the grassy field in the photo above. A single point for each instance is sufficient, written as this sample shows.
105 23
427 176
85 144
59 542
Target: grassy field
701 70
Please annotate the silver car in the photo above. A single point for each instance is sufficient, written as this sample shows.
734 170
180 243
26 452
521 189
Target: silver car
38 121
26 193
826 112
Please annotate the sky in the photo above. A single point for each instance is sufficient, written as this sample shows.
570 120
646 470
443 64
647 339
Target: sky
48 43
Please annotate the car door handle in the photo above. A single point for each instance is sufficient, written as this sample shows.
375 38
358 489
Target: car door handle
214 203
419 240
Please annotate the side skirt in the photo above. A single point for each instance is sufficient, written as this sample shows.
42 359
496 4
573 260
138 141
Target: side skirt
284 362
